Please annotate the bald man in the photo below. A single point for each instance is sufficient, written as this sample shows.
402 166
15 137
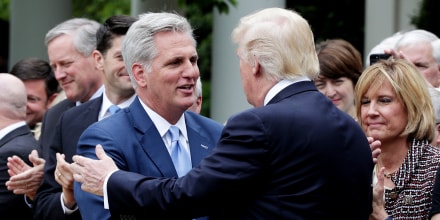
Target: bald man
15 139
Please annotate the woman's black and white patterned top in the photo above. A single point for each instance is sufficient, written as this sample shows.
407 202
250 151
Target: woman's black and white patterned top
411 198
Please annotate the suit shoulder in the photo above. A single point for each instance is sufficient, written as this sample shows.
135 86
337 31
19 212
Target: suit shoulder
202 119
91 103
53 113
21 141
62 106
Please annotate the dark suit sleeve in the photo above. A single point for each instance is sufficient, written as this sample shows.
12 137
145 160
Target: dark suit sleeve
19 142
47 204
49 124
228 172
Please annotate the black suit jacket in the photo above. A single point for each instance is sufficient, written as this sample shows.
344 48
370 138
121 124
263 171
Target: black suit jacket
71 125
18 142
49 122
298 157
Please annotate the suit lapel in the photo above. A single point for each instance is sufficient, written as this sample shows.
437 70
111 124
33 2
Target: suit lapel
150 139
91 112
198 141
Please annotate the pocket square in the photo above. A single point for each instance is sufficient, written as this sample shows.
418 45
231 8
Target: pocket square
204 146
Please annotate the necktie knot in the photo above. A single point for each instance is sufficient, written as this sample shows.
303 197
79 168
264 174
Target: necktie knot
174 132
113 109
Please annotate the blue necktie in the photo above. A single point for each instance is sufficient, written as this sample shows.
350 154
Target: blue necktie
179 156
113 109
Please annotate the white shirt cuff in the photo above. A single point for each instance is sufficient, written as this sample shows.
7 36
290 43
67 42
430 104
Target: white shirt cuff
66 210
104 189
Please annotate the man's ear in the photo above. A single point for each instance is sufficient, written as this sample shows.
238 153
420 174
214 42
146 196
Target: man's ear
51 99
139 74
256 68
99 60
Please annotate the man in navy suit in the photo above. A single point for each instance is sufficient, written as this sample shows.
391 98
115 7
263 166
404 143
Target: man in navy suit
294 156
15 139
55 197
161 52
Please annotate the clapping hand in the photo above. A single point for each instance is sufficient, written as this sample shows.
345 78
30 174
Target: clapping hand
24 178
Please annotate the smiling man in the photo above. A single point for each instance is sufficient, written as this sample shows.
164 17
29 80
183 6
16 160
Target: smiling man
160 54
41 88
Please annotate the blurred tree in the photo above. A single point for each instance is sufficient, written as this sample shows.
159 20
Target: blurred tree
427 17
329 20
100 10
4 10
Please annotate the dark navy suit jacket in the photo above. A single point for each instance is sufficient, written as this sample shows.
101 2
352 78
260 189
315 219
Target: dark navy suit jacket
70 126
49 123
132 140
298 157
20 142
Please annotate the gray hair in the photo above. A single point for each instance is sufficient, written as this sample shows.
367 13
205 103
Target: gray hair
415 37
436 50
83 31
421 36
138 45
199 87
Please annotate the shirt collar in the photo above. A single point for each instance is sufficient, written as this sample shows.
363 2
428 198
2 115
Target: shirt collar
95 95
163 125
280 86
106 103
6 130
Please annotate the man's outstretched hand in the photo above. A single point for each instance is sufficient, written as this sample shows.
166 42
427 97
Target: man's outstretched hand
92 173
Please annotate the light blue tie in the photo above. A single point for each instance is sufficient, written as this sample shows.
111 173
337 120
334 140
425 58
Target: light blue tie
180 157
113 109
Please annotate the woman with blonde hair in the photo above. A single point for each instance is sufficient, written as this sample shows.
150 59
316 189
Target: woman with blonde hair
394 107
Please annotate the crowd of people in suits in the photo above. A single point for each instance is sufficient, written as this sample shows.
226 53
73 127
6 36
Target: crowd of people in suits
327 137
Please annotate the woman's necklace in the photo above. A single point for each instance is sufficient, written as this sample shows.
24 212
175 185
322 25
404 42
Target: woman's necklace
389 175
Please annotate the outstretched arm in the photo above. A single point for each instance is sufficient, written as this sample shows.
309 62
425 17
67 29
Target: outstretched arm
92 173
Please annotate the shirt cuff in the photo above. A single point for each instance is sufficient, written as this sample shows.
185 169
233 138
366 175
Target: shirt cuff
28 203
104 189
66 210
